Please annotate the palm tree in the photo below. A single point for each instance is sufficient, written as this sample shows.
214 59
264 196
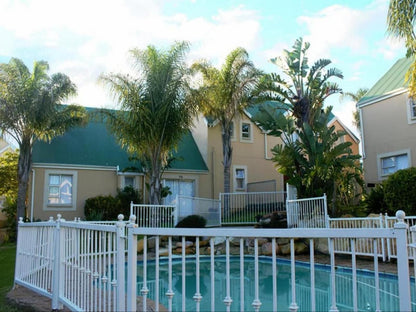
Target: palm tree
29 111
224 93
312 160
304 88
401 18
155 109
355 96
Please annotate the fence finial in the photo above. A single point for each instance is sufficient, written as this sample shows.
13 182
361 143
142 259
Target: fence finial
120 217
50 219
132 219
400 216
21 220
58 217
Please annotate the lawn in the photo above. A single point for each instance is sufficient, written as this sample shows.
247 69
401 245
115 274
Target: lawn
7 260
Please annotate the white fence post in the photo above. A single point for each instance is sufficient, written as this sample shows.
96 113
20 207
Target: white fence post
56 265
402 262
176 211
131 265
121 296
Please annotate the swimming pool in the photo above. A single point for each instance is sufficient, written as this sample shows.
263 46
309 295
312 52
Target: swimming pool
389 300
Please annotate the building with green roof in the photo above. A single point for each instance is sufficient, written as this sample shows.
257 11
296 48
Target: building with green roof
388 125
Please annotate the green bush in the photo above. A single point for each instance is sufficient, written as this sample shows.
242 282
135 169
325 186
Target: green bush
192 221
125 197
400 191
375 202
104 208
101 208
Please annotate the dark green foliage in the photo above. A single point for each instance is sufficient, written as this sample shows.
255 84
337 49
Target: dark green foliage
103 208
192 221
125 197
400 191
274 220
375 201
10 208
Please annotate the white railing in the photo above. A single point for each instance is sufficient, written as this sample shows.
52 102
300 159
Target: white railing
244 208
363 247
391 246
82 266
76 264
204 290
154 215
208 208
307 213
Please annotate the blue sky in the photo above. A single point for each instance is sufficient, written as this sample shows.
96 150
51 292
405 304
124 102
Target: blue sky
86 38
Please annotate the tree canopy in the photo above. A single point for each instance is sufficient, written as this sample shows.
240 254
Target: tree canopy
401 19
155 109
303 88
29 111
224 93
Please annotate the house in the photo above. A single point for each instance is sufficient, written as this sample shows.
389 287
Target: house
388 125
87 162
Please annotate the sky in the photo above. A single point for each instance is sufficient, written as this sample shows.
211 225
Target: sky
86 38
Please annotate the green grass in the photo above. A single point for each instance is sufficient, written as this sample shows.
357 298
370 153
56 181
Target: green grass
7 260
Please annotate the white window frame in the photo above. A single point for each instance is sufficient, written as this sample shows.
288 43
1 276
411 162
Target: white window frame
233 136
60 207
250 138
382 156
411 111
235 168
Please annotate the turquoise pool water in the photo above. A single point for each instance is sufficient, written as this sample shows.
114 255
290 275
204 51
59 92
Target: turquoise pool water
389 299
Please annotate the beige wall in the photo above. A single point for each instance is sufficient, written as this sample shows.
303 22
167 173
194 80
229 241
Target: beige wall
386 130
90 183
249 154
347 138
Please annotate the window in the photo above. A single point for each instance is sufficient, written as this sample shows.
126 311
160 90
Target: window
129 181
391 162
179 187
240 178
411 112
246 134
60 190
232 130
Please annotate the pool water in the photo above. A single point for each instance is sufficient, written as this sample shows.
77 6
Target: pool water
389 299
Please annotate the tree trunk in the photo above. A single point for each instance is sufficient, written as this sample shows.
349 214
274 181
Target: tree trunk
23 171
227 152
155 190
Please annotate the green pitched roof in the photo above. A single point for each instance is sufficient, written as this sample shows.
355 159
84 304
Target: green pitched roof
94 145
272 108
391 81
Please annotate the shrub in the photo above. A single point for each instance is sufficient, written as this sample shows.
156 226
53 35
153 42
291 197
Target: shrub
101 208
375 202
192 221
125 197
400 191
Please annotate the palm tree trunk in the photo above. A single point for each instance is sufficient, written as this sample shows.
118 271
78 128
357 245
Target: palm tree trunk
227 153
24 164
155 183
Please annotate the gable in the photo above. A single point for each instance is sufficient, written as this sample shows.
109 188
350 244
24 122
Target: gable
391 83
95 145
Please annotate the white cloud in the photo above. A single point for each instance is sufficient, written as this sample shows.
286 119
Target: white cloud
339 26
94 36
344 111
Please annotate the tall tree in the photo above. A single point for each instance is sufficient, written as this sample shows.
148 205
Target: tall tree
355 96
224 93
155 108
29 111
312 159
401 18
303 88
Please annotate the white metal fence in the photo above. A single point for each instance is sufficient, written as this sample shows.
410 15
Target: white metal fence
82 266
307 213
154 215
244 208
76 264
210 209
